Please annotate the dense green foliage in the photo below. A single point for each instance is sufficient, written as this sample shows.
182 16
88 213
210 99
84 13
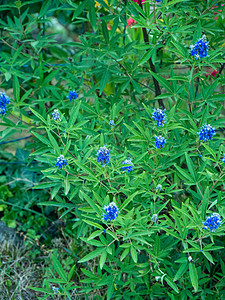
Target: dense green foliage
120 73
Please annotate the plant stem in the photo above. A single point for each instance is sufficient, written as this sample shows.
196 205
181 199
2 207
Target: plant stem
152 66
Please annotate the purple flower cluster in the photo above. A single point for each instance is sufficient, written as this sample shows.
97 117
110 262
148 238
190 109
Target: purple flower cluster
111 212
200 49
206 133
61 161
159 116
129 165
4 100
72 95
103 155
160 141
212 222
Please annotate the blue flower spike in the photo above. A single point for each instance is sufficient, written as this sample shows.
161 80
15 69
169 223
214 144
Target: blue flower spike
61 161
159 187
111 212
154 218
56 115
206 133
223 159
159 116
212 222
111 123
200 49
4 100
72 95
129 165
103 156
55 290
160 142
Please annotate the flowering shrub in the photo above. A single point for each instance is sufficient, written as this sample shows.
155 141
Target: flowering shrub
148 227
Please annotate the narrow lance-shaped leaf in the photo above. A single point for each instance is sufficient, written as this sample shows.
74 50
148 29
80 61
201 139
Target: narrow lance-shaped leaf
194 276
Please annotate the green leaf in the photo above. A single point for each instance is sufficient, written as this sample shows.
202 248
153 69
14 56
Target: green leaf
58 204
94 234
38 115
145 57
58 267
45 185
102 259
133 253
104 80
91 203
210 150
184 173
182 51
74 113
93 224
105 31
42 139
92 255
205 203
190 166
92 14
53 142
88 171
124 254
183 268
66 186
110 290
194 276
71 272
208 256
78 9
171 283
163 82
112 235
128 200
16 88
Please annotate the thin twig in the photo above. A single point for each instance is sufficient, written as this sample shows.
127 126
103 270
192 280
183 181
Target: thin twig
152 66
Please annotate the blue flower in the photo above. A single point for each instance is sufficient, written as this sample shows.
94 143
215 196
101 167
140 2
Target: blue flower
160 141
223 159
154 218
111 123
206 133
159 116
104 230
4 100
129 164
55 290
200 49
56 115
158 0
212 222
72 95
159 187
103 155
111 212
61 161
